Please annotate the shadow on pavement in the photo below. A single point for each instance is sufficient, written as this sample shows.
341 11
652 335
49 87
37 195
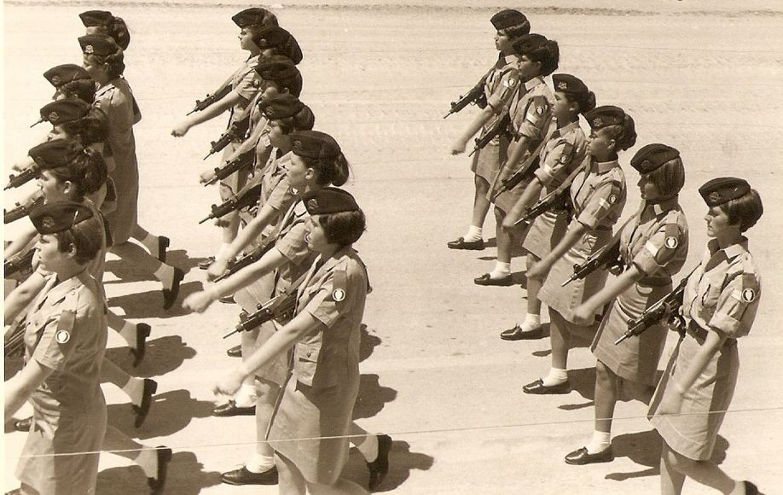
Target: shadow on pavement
149 304
185 477
372 397
367 342
583 381
401 462
163 355
169 413
644 448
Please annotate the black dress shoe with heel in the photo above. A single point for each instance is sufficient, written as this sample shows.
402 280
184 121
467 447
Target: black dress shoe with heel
235 351
517 333
23 424
487 279
157 483
230 408
461 243
170 295
142 332
379 468
242 476
150 387
538 388
163 245
581 456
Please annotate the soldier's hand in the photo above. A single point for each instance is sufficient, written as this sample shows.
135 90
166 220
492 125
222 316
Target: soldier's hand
206 176
217 268
228 384
180 130
198 301
583 315
458 147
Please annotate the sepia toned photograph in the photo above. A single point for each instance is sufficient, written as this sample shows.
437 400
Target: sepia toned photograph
416 247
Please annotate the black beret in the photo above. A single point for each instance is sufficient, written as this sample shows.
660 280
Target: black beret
314 144
510 18
254 15
277 68
652 156
572 85
61 111
277 37
98 44
723 189
604 116
305 119
56 217
529 42
55 153
62 74
93 18
281 106
329 200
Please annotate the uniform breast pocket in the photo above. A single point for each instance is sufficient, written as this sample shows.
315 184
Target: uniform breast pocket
709 299
306 362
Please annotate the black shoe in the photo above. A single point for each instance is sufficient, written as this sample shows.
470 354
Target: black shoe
157 483
538 387
163 245
242 476
142 332
150 387
487 279
230 408
235 351
581 456
517 333
170 295
203 265
461 243
15 491
380 466
229 299
23 424
750 488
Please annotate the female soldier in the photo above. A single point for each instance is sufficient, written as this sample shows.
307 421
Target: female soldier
653 248
103 22
315 162
560 159
320 394
531 118
243 88
719 306
69 173
103 60
598 195
499 85
65 341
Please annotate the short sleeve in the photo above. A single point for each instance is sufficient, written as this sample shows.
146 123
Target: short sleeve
737 305
561 158
281 196
293 245
500 99
536 118
599 204
248 86
332 300
57 341
660 249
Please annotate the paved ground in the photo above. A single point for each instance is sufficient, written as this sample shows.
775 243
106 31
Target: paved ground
701 77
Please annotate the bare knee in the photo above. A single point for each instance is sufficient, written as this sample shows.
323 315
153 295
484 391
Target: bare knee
604 377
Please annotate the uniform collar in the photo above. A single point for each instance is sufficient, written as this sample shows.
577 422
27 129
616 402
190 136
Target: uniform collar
567 128
58 292
663 206
604 167
533 83
730 251
508 59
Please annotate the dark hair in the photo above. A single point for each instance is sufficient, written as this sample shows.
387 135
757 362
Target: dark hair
118 30
516 31
83 89
745 210
86 236
333 171
115 61
547 54
624 134
88 129
586 101
343 228
87 172
669 177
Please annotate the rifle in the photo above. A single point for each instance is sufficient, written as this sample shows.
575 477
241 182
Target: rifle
558 197
665 307
238 163
607 256
248 259
210 99
22 177
236 130
279 307
500 126
13 338
242 199
474 95
21 211
524 172
18 263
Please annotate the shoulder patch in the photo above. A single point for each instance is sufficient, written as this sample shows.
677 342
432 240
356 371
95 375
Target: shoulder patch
339 286
62 336
567 154
748 295
671 242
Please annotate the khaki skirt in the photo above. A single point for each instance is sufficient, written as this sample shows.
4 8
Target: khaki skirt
694 431
565 299
636 358
546 232
486 161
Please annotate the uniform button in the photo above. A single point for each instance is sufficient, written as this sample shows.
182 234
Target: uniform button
308 353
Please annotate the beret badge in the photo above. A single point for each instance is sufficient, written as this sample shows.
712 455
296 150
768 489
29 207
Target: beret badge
47 222
715 197
56 80
598 122
562 85
312 204
88 49
54 117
